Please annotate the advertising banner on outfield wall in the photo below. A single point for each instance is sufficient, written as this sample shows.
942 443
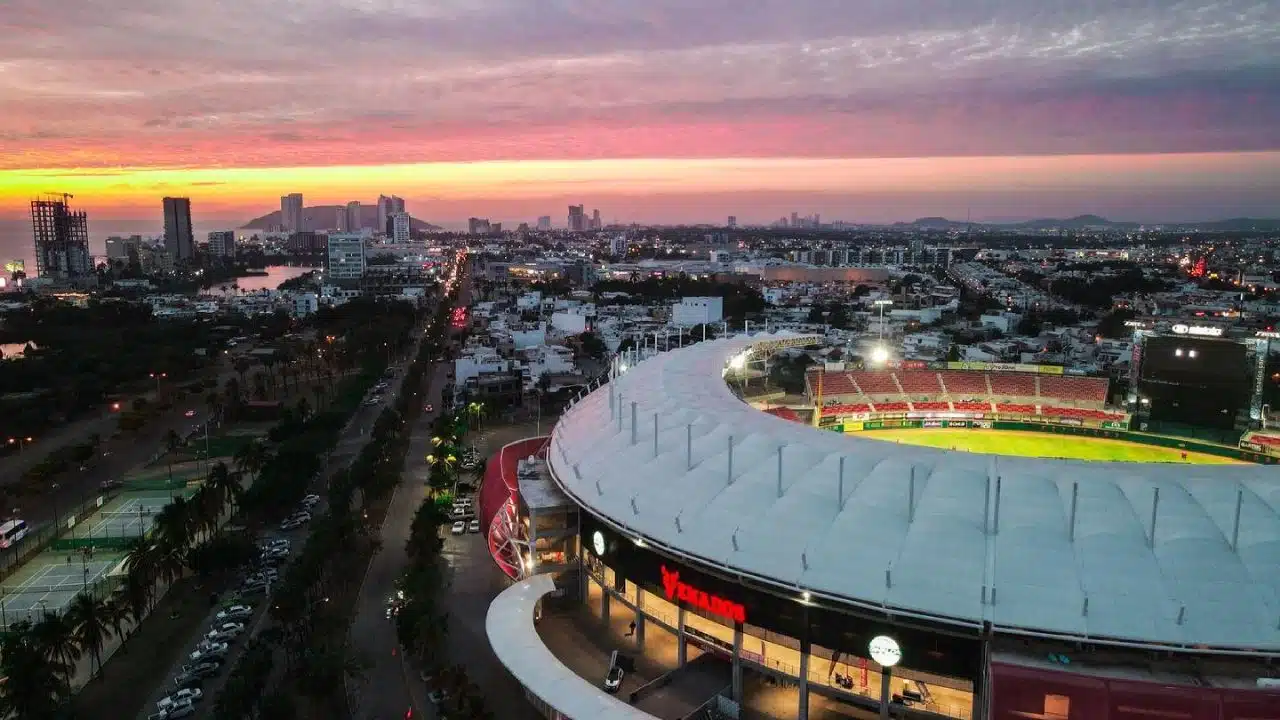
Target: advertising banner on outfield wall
1005 367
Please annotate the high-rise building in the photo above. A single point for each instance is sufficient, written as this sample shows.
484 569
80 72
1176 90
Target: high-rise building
61 239
478 226
618 246
291 212
179 241
397 204
352 217
345 261
123 249
577 218
795 219
544 223
400 227
384 212
733 221
595 219
222 244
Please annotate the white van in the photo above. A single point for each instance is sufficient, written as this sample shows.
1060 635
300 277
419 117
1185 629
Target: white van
11 532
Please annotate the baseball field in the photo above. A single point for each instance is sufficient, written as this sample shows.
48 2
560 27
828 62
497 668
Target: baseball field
1032 444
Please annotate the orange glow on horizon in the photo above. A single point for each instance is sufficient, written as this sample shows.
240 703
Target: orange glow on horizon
113 191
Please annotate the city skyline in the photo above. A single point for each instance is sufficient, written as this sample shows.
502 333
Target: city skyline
666 113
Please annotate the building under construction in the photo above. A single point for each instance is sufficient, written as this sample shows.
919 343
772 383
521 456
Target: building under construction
61 239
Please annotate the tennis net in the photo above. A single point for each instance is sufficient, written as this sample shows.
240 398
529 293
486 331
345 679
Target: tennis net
140 513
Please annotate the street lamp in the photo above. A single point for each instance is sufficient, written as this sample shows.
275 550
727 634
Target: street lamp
21 442
883 304
157 377
885 652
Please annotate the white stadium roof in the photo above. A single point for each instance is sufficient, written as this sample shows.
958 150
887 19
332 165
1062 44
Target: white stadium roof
949 559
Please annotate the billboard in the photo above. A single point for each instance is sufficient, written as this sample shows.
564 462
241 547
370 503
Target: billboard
1006 367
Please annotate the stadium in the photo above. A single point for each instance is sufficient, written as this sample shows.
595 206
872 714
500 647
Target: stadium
952 541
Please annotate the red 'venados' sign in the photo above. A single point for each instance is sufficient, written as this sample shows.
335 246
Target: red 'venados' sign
684 592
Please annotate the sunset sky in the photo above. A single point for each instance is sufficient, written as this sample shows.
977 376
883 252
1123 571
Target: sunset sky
660 110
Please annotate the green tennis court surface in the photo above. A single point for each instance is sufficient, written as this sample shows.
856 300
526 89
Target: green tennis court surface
1030 444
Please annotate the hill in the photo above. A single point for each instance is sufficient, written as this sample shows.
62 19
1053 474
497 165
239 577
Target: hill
324 217
1083 222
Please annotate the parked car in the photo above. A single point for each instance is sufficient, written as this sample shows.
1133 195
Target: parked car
235 612
291 524
459 528
311 499
202 669
185 708
224 632
186 695
473 526
187 680
209 650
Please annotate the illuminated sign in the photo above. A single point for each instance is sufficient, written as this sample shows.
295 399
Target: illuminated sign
1202 330
684 592
1270 335
885 651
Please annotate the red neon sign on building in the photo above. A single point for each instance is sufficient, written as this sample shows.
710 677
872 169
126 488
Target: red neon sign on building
684 592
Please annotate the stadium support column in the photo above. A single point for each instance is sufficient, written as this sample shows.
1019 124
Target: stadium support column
737 662
682 649
639 618
604 605
805 649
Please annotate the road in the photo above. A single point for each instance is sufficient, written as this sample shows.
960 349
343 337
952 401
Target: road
350 442
388 687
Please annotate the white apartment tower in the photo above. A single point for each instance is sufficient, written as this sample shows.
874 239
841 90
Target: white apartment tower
400 227
345 258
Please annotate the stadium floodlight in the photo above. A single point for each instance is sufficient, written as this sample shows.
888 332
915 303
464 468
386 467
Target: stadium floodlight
879 355
739 361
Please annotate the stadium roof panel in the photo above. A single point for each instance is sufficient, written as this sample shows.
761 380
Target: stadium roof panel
941 558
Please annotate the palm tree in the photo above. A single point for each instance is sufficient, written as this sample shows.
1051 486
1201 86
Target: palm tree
304 409
227 487
173 525
90 626
251 458
143 563
171 440
32 689
54 636
116 614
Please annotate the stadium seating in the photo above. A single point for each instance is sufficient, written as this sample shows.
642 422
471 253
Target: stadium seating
873 382
971 391
845 409
920 383
1019 408
891 407
931 406
1009 384
964 384
1081 389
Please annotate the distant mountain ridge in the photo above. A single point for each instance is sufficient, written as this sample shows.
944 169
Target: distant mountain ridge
1083 222
324 217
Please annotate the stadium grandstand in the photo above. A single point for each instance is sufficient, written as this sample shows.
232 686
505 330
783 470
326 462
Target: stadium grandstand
1037 392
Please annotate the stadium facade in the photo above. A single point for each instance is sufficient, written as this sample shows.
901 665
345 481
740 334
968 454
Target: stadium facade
1010 587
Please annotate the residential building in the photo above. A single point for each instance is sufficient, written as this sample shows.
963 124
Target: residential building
577 218
618 246
478 226
697 310
384 214
291 212
305 304
400 227
733 221
544 223
178 238
596 223
61 239
222 244
345 264
351 217
123 249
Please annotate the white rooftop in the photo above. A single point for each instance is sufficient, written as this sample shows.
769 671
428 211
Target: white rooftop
949 559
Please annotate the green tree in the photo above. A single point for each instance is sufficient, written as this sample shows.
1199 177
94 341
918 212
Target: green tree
32 688
90 623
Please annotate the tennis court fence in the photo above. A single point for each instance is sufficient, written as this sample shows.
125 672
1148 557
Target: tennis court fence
39 540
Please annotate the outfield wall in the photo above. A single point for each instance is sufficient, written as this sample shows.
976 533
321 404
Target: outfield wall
1085 428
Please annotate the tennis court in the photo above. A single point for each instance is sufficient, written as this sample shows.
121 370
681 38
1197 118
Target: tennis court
50 582
130 516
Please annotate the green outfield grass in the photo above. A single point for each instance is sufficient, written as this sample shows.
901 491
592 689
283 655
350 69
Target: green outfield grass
1031 444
